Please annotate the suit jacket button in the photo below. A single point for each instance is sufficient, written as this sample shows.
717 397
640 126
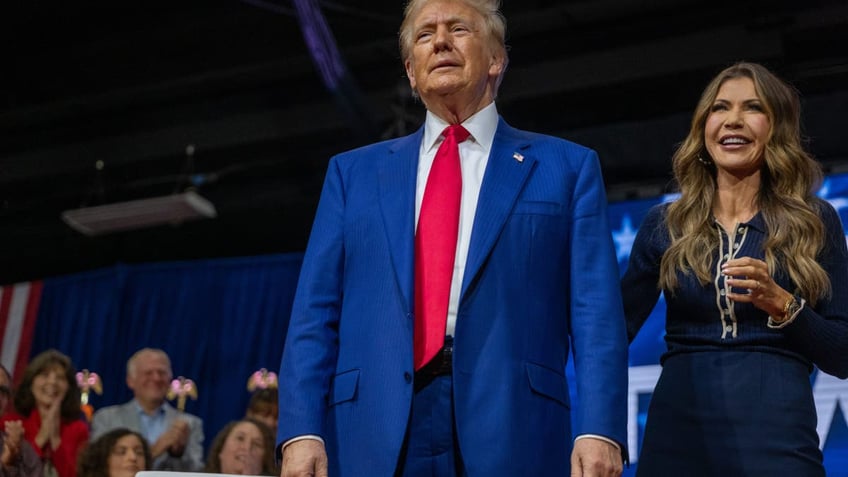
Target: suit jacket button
407 377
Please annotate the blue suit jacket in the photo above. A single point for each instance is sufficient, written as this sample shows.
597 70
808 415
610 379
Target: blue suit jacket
541 270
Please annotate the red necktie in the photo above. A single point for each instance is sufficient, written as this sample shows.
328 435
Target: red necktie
435 246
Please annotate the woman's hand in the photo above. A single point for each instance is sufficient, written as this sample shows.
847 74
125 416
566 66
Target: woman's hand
14 431
763 292
51 418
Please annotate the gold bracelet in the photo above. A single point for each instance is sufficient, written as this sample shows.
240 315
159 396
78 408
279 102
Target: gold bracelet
786 308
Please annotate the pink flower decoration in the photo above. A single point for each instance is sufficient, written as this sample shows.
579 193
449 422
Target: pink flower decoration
262 379
182 388
88 381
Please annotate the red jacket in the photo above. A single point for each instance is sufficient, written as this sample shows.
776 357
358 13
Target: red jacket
74 435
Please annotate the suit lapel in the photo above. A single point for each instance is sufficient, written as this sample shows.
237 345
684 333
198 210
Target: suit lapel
397 176
508 169
130 416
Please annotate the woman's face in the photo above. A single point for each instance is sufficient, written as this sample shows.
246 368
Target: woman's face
127 457
243 450
50 386
737 128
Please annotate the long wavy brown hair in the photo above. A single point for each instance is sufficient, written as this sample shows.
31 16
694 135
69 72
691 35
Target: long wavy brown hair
790 177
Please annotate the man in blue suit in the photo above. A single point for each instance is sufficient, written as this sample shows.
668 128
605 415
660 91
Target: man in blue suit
533 272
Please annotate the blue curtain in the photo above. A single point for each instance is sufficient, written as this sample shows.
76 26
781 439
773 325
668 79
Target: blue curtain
218 320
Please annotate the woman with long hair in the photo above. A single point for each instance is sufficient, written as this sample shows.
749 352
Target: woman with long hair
244 447
48 403
753 267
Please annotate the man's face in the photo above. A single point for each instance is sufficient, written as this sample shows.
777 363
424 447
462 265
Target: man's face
452 53
5 391
150 378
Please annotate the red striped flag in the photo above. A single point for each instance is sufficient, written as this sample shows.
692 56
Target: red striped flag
18 312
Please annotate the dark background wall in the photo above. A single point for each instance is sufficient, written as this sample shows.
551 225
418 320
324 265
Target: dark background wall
99 101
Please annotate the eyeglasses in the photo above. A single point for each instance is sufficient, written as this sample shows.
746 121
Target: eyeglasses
5 391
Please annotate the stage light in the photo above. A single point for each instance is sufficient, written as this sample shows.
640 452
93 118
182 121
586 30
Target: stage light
137 214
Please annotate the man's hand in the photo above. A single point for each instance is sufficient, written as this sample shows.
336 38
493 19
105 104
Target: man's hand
173 440
595 458
304 458
180 431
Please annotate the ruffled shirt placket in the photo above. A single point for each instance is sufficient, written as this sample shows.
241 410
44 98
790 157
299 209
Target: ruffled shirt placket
727 251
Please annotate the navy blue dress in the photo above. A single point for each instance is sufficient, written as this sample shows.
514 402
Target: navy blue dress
734 397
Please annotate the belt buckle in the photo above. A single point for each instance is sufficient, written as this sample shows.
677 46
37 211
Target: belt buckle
442 362
440 365
446 360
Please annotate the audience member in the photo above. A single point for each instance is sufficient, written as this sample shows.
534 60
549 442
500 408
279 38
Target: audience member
17 458
118 453
48 401
175 438
244 447
263 407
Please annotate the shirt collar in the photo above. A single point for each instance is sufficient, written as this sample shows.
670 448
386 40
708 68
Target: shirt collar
481 125
757 222
159 411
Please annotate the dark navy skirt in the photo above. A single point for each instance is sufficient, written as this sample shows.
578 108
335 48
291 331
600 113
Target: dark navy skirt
731 414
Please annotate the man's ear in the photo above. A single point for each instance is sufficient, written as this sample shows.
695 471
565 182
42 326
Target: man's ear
497 65
410 73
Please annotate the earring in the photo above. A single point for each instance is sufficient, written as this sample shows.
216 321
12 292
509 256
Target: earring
703 161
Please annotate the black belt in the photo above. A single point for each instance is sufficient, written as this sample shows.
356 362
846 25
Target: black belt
440 365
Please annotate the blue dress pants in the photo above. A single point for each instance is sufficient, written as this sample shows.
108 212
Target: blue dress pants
430 447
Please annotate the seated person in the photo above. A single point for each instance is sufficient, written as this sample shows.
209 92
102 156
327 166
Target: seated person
244 447
48 401
263 407
175 438
17 458
118 453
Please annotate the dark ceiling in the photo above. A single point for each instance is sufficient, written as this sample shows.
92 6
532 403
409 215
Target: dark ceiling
130 87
